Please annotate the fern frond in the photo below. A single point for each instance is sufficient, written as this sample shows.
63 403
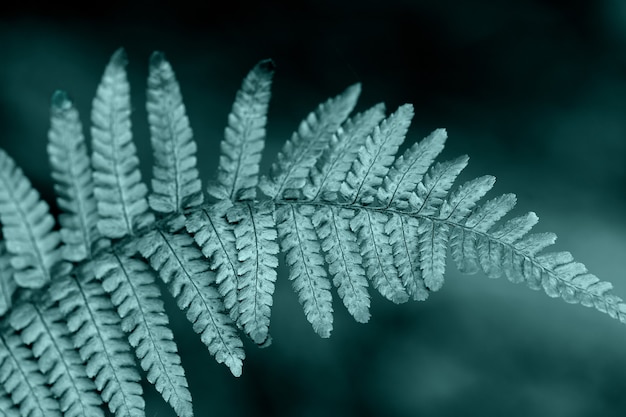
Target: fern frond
120 193
339 205
71 171
375 157
175 183
244 137
303 254
333 165
299 154
255 240
137 298
21 378
44 329
216 238
377 254
344 259
27 227
182 267
7 283
98 336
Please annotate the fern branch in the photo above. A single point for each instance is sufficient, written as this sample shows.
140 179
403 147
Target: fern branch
21 378
255 240
7 283
44 329
137 298
27 227
71 170
244 137
377 254
216 238
403 232
376 156
333 165
409 169
306 265
121 194
181 266
175 182
435 187
300 153
343 258
98 336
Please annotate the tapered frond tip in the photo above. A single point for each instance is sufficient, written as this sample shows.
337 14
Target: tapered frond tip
119 58
353 91
266 65
157 58
61 100
440 133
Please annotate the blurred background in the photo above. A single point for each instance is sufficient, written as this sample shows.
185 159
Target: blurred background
534 91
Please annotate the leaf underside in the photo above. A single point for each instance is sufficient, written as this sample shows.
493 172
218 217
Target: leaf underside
342 207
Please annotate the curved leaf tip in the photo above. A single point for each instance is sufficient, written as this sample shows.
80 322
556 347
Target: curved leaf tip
61 100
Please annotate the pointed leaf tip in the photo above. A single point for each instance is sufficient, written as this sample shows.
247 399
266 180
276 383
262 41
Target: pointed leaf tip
157 59
61 100
441 133
267 65
408 109
118 57
354 89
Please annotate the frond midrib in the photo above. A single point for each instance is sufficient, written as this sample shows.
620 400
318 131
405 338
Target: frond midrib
446 221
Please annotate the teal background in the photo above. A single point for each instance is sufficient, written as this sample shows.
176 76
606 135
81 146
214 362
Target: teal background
533 91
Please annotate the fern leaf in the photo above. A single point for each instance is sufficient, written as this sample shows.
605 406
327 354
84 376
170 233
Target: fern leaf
137 298
71 170
408 170
460 202
376 156
299 154
244 137
7 283
403 236
485 216
303 254
175 182
433 245
333 165
255 240
216 238
120 193
44 329
344 259
27 227
377 254
98 336
435 186
21 378
182 267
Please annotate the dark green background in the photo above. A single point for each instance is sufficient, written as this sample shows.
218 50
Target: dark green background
533 91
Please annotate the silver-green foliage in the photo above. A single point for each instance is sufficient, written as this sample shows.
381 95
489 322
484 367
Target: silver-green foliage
339 202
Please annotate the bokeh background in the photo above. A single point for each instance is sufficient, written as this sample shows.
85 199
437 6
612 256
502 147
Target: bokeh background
534 91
